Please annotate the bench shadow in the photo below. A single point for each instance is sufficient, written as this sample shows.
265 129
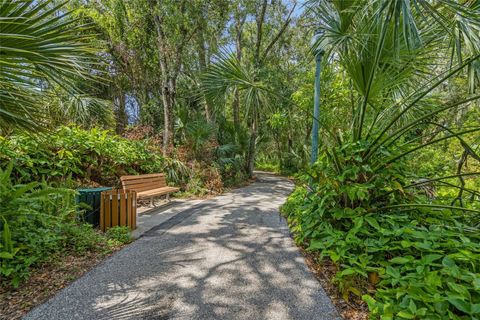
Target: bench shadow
146 210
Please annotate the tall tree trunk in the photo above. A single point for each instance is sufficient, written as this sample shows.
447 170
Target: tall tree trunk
203 62
252 146
250 165
279 149
258 62
167 118
240 21
170 61
168 87
236 114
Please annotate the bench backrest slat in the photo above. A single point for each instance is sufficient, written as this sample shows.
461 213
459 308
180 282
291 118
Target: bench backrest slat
143 182
142 176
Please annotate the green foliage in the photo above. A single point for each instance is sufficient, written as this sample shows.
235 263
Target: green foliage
229 75
230 164
75 156
40 47
37 223
422 258
120 235
198 134
267 166
86 155
398 124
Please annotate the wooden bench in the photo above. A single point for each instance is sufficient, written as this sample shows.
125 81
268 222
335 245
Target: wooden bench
148 185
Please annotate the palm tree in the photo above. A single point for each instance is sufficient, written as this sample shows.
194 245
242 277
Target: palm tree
227 76
40 47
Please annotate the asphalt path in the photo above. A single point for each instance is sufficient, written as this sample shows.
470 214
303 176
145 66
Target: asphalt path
230 257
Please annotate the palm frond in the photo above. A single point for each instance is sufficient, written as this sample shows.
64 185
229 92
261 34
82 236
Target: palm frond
86 110
228 74
39 45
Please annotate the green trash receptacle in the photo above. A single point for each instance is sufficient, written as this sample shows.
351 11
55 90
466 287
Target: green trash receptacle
91 198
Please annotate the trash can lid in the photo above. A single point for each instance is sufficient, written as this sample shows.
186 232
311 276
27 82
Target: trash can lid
86 190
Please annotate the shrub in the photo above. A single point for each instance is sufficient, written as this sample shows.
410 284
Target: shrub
406 257
230 164
37 222
88 156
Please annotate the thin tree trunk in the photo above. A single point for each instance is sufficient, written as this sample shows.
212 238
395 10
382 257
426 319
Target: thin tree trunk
120 112
167 118
252 147
236 95
279 151
258 44
203 62
236 114
170 61
258 61
168 88
172 85
236 98
168 99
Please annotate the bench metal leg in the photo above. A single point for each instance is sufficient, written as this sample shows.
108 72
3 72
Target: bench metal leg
151 202
168 197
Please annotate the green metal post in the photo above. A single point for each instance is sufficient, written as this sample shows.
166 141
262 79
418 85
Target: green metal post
316 107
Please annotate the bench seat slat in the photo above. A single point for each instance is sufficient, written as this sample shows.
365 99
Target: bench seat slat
156 192
145 188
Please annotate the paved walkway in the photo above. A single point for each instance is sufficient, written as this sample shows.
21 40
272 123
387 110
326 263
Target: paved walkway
226 258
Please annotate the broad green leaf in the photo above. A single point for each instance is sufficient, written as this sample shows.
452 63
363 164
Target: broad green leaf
401 260
460 304
405 315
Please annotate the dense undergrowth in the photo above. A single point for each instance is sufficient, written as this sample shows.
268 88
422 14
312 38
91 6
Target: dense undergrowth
393 200
39 225
408 255
84 156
